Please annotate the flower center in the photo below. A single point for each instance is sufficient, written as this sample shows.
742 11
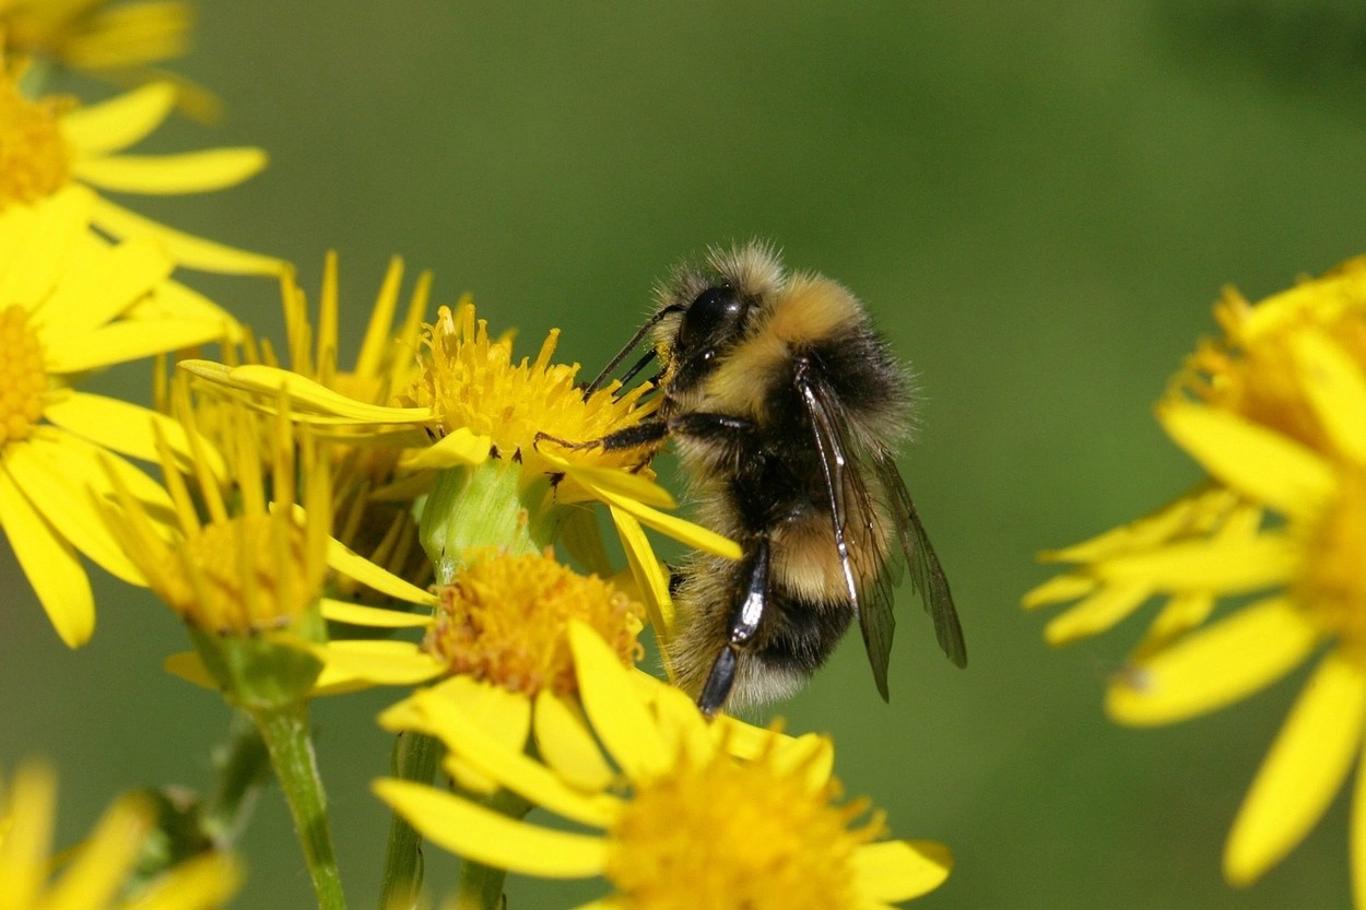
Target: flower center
731 834
247 584
1332 584
504 619
471 381
23 381
1252 371
35 160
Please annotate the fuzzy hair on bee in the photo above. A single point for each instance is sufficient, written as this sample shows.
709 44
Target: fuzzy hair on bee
786 408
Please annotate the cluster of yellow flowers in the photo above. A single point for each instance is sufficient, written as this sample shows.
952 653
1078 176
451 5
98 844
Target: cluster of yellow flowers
301 501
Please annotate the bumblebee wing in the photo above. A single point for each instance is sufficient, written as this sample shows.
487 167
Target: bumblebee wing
845 485
926 574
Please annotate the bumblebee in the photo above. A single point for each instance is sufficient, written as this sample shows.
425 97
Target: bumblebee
786 408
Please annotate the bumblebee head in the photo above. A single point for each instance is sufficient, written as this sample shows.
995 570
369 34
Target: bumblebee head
703 310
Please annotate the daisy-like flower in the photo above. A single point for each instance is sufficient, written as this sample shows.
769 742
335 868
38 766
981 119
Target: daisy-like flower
372 514
484 415
1276 412
97 35
66 302
682 821
498 646
1248 371
96 874
50 143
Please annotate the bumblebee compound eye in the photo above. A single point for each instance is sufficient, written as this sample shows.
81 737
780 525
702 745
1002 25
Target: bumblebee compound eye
714 314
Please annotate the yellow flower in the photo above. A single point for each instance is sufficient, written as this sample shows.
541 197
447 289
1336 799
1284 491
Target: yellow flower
372 512
97 34
470 404
684 822
96 874
1276 413
496 644
66 300
50 143
255 568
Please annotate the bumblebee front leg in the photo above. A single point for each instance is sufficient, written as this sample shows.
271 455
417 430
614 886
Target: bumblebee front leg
699 425
744 626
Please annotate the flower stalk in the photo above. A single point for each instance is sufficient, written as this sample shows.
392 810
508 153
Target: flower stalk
286 735
415 757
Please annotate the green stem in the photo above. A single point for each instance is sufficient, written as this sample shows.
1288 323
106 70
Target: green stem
481 887
285 731
414 759
243 766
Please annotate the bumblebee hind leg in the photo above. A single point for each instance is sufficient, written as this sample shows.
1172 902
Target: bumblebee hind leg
745 615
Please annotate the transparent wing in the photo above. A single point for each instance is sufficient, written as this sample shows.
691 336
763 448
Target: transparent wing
927 575
859 536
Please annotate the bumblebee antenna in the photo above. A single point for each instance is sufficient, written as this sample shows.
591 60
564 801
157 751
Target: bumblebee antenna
630 346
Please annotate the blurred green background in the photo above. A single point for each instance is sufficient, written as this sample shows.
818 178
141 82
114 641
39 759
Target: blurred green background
1037 201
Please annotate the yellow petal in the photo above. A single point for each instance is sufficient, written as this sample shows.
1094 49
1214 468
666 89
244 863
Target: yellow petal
616 480
189 666
80 459
32 803
378 663
1201 509
127 428
487 837
695 536
112 282
188 250
50 563
1227 564
1182 613
1303 772
119 122
902 870
173 300
1096 613
505 763
351 564
126 340
1215 666
1335 388
741 739
650 577
304 392
503 714
1261 464
36 243
188 172
69 506
459 448
1057 589
206 881
681 725
373 617
619 717
565 743
104 860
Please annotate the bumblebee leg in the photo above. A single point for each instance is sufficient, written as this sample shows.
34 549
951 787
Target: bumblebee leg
744 625
642 434
707 425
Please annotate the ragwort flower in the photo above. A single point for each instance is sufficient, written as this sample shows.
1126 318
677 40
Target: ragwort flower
684 822
66 300
1276 412
478 418
50 143
97 874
